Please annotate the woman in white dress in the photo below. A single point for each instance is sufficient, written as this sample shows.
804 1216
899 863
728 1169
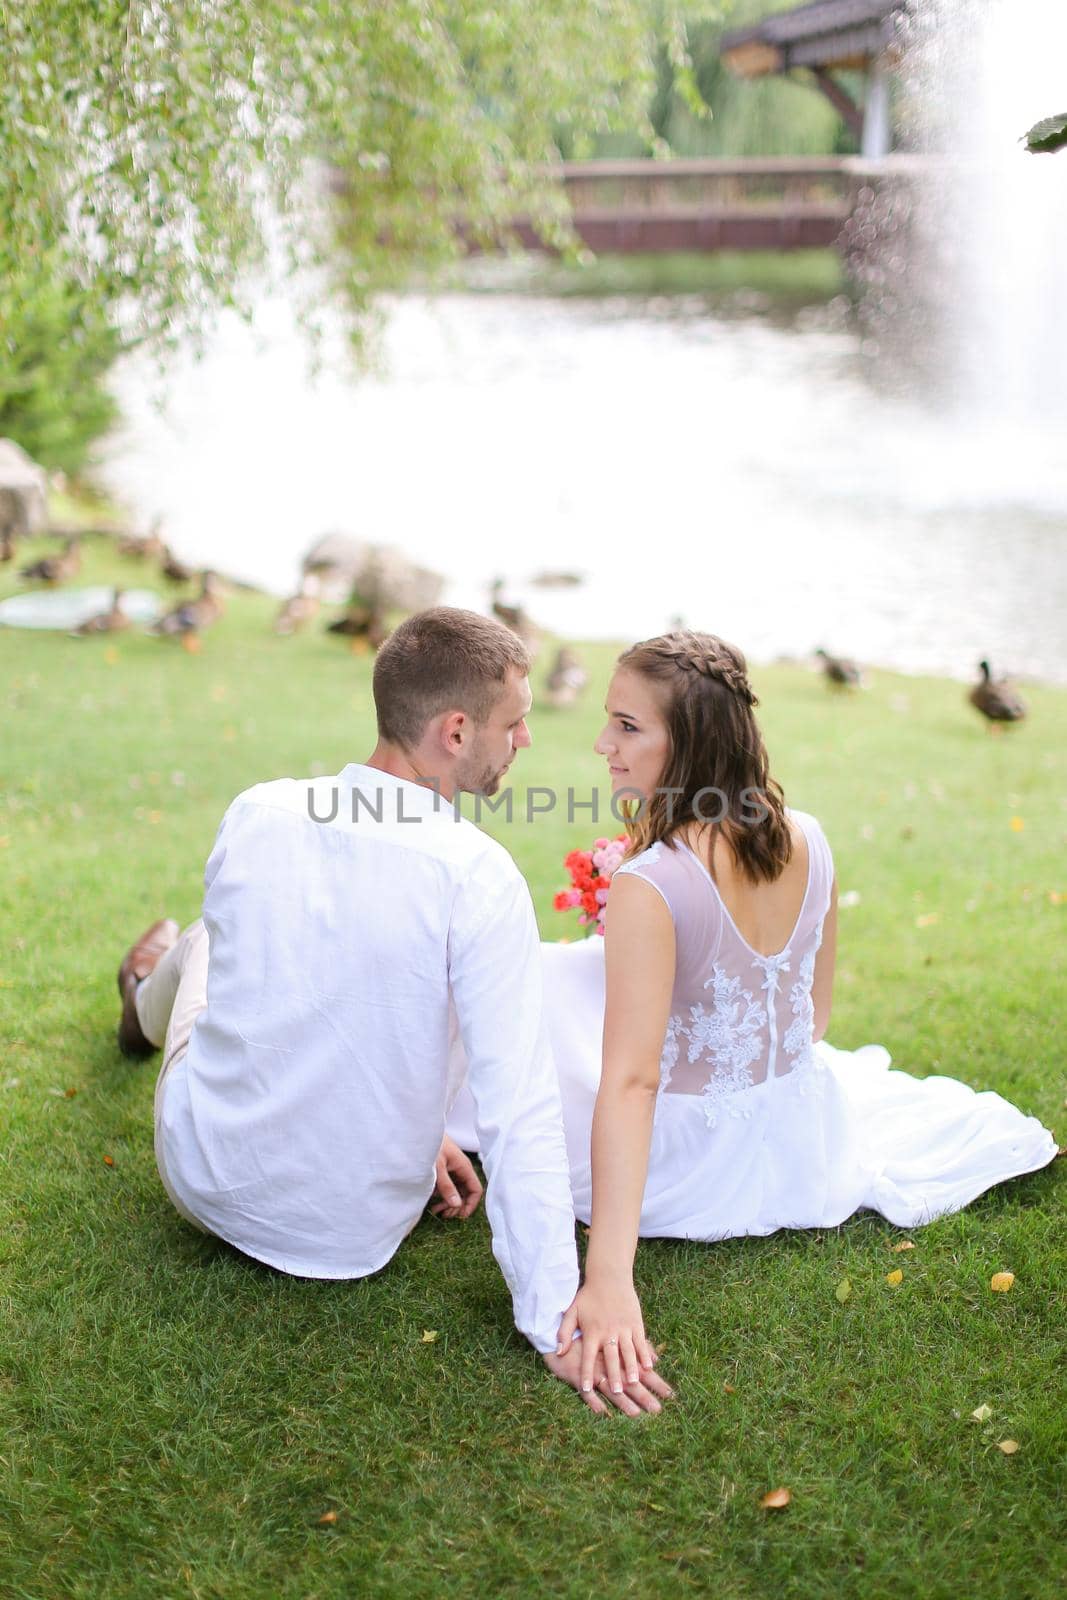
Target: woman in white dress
712 1109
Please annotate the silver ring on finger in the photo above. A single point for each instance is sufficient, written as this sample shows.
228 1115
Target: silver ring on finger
613 1340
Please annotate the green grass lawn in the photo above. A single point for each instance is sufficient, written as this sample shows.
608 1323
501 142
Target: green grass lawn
177 1421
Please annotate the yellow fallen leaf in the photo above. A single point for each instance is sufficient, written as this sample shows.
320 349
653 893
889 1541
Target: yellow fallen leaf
928 919
109 1161
729 1388
1017 824
327 1518
905 1244
111 655
843 1290
429 1336
1001 1282
1009 1446
982 1413
895 1277
1055 898
776 1499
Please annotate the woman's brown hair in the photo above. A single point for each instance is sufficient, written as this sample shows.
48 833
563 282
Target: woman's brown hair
716 749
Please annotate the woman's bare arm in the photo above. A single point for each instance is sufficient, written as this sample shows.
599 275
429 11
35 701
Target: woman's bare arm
639 960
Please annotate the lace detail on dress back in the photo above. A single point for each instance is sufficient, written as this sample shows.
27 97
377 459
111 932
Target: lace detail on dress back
735 1020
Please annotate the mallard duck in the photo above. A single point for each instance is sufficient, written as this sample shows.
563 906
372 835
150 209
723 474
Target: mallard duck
363 624
172 568
300 609
515 617
57 568
996 698
566 680
188 620
148 547
112 621
840 670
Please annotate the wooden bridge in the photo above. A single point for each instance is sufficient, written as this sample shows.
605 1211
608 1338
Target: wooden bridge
775 203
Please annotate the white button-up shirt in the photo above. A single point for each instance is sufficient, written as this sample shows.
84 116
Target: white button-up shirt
357 927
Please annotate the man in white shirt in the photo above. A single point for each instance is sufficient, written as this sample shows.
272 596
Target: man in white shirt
353 928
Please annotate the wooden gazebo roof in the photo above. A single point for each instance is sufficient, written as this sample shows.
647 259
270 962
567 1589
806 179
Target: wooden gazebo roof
824 35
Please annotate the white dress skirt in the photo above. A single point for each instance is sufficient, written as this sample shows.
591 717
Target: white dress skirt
805 1149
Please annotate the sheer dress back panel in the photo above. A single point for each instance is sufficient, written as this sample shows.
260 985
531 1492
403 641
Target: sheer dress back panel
737 1017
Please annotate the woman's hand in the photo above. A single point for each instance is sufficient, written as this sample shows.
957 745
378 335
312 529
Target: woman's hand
608 1314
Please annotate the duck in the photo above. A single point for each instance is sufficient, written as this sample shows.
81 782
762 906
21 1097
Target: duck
511 616
172 568
996 698
112 621
300 609
840 670
188 620
363 623
566 680
150 546
56 569
517 618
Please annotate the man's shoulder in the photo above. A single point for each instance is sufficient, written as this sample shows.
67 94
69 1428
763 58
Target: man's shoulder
485 853
362 811
279 794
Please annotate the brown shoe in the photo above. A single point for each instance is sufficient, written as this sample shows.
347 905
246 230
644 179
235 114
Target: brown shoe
141 959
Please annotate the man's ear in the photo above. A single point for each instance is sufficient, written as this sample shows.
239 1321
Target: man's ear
454 731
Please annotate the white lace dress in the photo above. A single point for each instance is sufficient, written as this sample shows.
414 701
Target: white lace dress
756 1127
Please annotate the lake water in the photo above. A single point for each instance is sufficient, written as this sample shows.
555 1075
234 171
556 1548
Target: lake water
751 474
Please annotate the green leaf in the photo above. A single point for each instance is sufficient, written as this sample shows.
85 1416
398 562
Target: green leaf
1047 135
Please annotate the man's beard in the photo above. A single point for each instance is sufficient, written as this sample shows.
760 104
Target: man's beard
479 778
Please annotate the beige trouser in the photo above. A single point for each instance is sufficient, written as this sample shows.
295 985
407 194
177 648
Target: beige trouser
168 1002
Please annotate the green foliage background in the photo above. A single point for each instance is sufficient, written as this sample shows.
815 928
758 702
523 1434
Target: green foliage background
57 345
700 108
174 150
158 161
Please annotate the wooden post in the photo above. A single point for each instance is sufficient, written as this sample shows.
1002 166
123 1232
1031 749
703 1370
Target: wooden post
840 99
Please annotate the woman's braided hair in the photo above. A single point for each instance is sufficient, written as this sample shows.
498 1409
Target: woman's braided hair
717 772
709 657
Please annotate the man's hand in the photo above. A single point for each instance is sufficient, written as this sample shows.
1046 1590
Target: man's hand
608 1314
632 1400
457 1182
